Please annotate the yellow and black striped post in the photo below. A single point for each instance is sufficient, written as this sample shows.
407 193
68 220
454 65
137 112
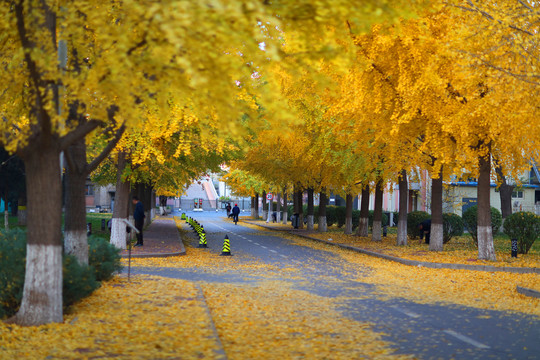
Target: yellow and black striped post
226 247
202 240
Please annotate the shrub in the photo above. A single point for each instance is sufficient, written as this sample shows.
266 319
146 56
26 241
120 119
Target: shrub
340 215
384 220
470 221
414 219
79 281
523 226
452 226
331 216
12 269
103 257
355 219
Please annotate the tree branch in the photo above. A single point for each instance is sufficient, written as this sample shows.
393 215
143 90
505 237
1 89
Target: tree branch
107 150
79 132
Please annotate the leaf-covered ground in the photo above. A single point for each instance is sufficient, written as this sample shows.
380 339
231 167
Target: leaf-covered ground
147 318
460 250
270 318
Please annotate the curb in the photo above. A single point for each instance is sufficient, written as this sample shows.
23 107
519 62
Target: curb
528 292
488 268
220 352
157 255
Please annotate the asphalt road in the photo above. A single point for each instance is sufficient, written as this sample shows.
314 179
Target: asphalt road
425 331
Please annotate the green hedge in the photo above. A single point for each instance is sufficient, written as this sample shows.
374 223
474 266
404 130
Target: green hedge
470 221
523 226
452 226
414 219
78 281
103 257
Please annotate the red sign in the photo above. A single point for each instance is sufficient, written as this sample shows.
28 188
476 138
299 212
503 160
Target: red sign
269 196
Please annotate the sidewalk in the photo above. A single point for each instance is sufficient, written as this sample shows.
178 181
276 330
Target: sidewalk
161 239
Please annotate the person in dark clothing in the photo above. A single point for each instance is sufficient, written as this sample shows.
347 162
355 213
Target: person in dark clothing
425 229
228 208
138 215
235 212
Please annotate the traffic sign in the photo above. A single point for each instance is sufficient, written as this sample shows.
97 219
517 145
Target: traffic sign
269 196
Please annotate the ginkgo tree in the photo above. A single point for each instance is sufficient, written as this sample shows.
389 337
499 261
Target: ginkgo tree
123 55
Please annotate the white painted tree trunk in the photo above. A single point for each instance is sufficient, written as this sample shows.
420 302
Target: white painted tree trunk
376 231
402 233
161 210
118 233
152 213
265 214
42 296
436 237
21 215
486 249
322 224
76 244
311 222
363 227
6 219
270 207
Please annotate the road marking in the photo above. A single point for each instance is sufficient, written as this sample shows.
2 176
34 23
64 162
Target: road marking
406 312
274 251
264 247
250 240
466 339
283 256
257 244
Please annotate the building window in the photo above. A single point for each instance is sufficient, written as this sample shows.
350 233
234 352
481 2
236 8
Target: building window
89 190
517 194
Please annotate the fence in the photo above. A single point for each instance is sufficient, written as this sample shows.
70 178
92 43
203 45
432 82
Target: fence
531 208
213 205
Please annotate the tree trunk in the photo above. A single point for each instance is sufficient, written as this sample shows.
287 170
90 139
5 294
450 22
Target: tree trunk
436 236
253 207
278 208
75 238
486 250
42 293
147 196
376 230
121 206
21 211
505 192
6 211
322 211
310 210
348 214
256 206
363 222
264 206
285 208
403 207
298 206
153 205
6 220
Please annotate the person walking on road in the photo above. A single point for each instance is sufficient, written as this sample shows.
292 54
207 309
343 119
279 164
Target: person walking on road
235 212
138 215
228 208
